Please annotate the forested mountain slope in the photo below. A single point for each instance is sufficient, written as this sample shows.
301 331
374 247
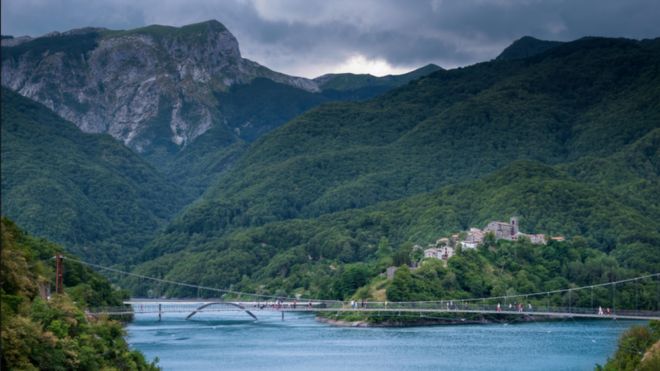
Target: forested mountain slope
591 97
86 191
566 139
307 255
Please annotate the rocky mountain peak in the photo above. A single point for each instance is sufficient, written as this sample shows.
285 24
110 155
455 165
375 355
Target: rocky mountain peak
154 84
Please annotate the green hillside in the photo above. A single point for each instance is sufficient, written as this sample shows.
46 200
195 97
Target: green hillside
86 191
298 255
591 97
53 333
254 109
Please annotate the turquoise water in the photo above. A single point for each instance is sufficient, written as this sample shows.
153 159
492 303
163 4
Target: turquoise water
231 342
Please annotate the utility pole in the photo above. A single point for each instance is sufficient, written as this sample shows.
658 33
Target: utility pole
59 274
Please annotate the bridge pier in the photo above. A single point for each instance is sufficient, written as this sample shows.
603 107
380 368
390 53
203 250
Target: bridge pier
282 315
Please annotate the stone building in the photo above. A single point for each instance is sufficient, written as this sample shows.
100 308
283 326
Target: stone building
474 237
538 239
504 231
433 252
442 253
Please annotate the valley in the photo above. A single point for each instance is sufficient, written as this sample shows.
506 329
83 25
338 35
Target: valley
161 152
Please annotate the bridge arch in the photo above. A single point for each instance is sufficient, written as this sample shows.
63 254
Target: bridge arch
221 303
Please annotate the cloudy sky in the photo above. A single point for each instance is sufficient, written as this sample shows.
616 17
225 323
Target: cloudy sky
312 37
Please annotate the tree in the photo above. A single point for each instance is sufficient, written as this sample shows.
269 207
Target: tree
401 288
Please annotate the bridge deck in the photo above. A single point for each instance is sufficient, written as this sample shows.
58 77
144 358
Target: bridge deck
154 306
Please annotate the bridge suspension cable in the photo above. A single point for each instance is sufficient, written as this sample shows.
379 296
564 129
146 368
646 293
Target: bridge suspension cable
190 285
255 295
558 291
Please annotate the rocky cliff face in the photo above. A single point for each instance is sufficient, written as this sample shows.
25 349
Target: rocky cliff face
145 87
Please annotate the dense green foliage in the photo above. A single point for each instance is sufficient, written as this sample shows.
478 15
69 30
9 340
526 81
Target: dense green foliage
638 350
54 333
84 190
506 268
311 255
262 105
252 110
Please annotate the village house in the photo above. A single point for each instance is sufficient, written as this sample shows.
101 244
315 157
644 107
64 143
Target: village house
446 252
432 253
474 237
442 253
501 231
537 239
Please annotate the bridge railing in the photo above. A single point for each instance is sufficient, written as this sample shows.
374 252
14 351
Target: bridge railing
449 306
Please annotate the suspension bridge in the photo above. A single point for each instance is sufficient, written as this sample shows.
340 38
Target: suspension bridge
537 304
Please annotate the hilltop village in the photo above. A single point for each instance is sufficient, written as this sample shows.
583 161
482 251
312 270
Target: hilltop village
444 248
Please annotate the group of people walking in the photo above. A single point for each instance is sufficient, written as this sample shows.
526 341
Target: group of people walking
355 304
519 307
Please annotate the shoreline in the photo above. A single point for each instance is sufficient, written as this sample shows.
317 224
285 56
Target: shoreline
427 322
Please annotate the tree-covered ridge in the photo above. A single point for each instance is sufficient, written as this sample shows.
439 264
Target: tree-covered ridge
591 97
527 46
633 173
87 191
53 332
366 85
308 255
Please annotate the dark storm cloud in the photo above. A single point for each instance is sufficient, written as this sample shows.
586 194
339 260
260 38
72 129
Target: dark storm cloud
311 37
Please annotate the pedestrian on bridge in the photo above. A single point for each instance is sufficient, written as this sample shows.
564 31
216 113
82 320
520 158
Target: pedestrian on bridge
600 310
499 308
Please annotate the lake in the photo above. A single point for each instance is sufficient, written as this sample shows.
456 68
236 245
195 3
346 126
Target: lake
231 341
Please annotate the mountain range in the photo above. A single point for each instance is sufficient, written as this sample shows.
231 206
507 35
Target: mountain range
222 172
141 87
158 89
